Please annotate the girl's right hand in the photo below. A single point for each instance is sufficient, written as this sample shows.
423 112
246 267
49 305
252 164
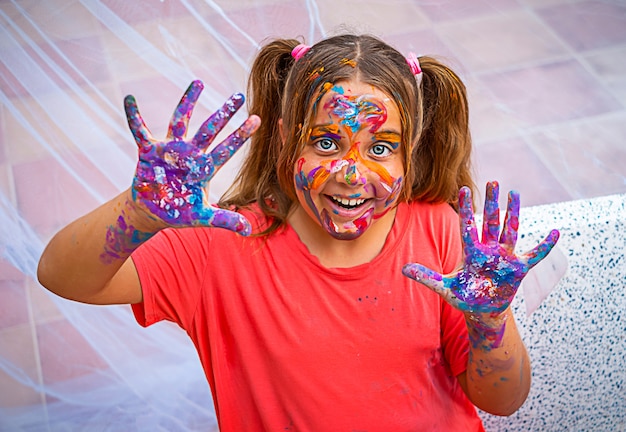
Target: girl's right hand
172 176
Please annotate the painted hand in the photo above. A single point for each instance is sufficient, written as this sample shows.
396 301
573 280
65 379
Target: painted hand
491 272
172 176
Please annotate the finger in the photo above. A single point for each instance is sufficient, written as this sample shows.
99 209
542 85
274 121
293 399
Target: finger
469 233
508 238
424 275
230 220
542 249
433 280
214 124
227 148
182 113
491 214
137 126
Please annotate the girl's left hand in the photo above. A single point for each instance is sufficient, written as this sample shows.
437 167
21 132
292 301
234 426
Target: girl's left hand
491 271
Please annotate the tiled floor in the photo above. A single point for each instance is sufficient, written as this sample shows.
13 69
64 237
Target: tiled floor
546 80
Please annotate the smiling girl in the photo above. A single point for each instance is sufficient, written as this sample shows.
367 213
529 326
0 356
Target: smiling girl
304 310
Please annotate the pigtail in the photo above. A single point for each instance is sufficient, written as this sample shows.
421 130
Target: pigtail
257 179
441 159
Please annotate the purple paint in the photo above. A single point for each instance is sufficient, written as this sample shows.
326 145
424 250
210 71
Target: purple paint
122 239
172 175
491 273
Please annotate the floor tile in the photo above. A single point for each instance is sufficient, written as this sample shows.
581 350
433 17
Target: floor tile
130 59
6 182
501 41
26 122
58 20
3 137
608 66
550 93
517 167
43 303
9 84
13 304
82 60
42 206
538 4
61 348
425 42
463 9
369 17
588 25
588 157
272 20
138 11
17 347
8 272
491 119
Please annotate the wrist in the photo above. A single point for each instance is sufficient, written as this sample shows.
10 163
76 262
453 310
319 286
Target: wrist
139 215
486 330
129 226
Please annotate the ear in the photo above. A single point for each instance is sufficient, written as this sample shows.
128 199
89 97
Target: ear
281 131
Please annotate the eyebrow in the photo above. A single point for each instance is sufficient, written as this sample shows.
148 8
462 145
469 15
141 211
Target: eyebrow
391 136
331 130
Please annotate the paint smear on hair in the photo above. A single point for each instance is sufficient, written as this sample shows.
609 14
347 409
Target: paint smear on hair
347 62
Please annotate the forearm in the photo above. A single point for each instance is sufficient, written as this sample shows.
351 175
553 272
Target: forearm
81 259
498 369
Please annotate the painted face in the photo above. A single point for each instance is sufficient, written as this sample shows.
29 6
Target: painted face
350 172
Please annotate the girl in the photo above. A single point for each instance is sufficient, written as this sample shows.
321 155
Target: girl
303 310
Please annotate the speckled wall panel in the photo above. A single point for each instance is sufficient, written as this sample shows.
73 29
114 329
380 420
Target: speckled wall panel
577 337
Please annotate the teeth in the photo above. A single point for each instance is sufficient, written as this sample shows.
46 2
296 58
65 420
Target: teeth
349 202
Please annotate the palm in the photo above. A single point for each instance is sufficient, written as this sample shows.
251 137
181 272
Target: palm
491 271
172 176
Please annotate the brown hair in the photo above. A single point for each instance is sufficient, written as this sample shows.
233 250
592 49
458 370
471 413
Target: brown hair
434 118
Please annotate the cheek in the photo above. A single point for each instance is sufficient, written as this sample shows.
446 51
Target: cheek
310 175
386 186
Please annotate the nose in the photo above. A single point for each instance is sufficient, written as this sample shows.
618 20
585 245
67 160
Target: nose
349 173
352 175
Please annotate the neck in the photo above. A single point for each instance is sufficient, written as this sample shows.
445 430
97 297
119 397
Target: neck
332 252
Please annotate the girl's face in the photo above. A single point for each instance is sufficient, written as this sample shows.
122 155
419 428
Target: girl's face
350 172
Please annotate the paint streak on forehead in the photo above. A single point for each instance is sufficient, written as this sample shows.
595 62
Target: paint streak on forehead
357 112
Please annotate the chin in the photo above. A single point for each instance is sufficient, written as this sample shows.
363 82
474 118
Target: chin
360 226
344 235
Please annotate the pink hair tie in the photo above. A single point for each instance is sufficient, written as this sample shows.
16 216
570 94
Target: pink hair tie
414 64
298 52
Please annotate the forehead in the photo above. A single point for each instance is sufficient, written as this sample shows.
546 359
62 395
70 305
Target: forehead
349 97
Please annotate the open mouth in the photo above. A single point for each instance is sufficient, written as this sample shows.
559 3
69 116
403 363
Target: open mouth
348 204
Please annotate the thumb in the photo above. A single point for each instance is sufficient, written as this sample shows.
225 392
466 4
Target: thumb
433 280
424 275
227 219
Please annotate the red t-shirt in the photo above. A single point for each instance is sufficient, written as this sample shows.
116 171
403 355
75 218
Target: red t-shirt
290 345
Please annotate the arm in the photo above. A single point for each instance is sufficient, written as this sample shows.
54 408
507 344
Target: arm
497 379
87 261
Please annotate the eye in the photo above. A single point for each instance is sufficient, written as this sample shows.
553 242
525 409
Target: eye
325 145
381 150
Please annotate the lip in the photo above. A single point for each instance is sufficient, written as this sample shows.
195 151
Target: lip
345 213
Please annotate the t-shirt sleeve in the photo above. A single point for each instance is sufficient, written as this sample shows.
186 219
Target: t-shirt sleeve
170 267
454 337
